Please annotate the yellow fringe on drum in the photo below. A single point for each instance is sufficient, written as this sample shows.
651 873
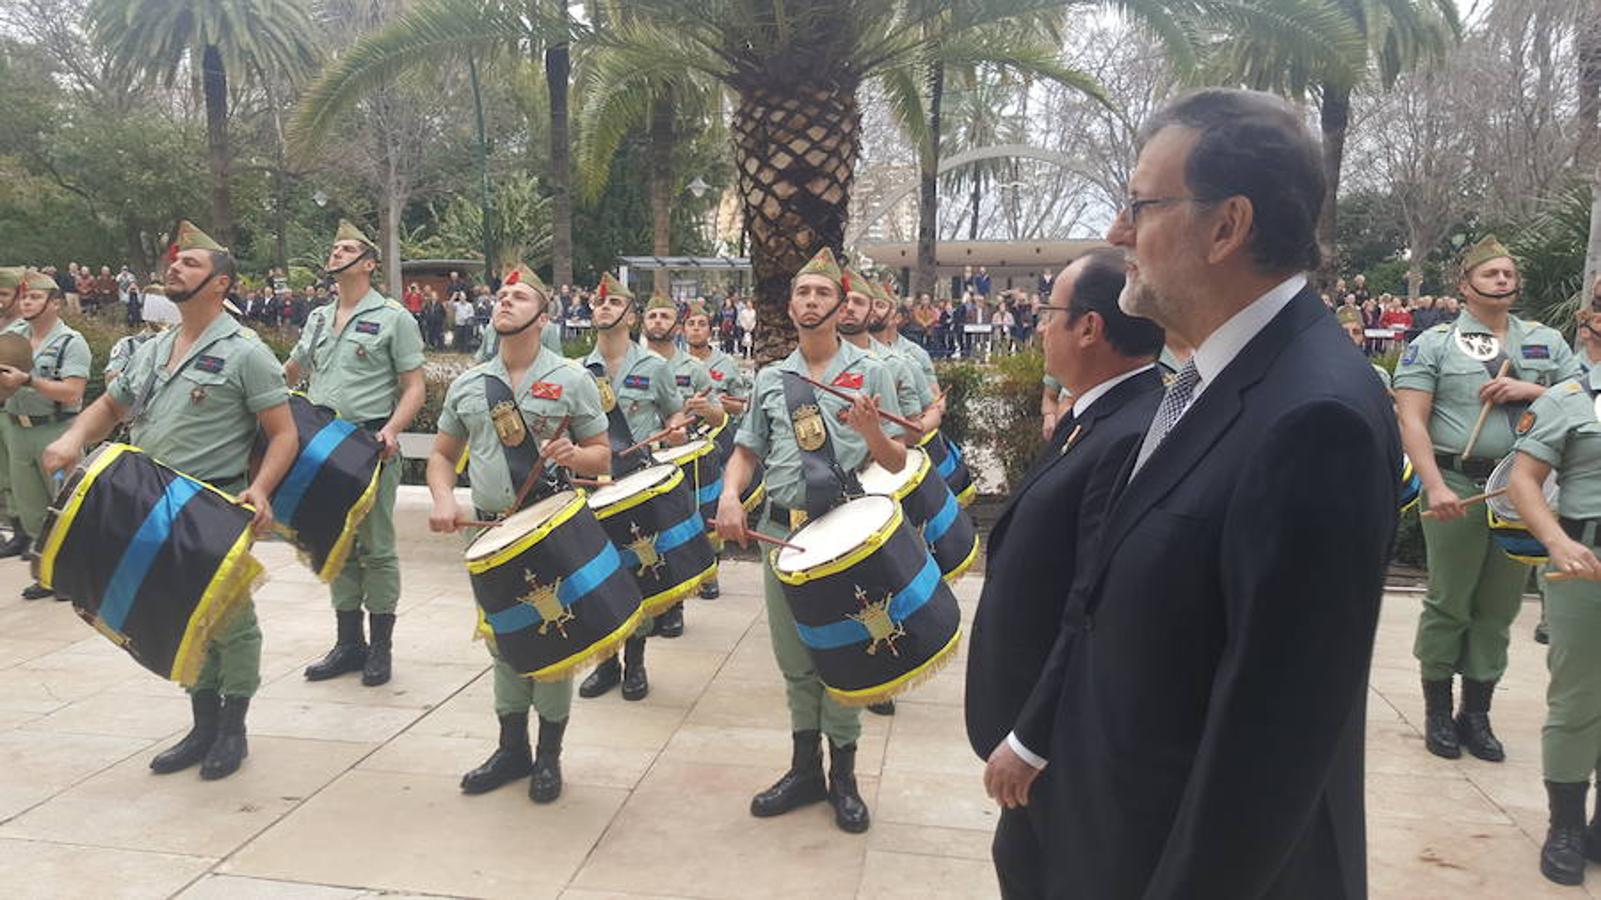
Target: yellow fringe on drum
966 496
353 519
869 696
964 565
236 579
658 603
605 647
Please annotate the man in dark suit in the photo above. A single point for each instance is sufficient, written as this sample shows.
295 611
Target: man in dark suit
1107 359
1208 736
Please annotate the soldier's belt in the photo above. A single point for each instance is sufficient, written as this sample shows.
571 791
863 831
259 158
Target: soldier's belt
37 421
1479 469
784 516
1582 530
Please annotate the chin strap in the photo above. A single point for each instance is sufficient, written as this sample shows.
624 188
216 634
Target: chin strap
365 254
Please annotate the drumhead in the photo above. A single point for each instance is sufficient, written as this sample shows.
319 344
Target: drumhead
876 479
1499 478
836 533
629 485
680 455
518 524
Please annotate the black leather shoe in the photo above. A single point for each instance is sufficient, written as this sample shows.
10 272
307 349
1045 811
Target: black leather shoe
1562 857
545 786
1473 722
36 591
710 590
670 624
230 748
606 676
18 543
1592 835
205 705
510 761
802 785
1542 634
887 708
1439 732
850 811
635 682
349 653
376 669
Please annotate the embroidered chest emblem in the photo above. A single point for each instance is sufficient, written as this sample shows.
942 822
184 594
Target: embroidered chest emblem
716 376
544 600
636 382
197 395
1478 347
212 364
683 380
546 390
367 327
848 380
643 546
881 629
509 425
810 433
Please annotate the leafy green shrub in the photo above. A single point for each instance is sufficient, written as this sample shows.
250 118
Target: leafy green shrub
962 382
1009 414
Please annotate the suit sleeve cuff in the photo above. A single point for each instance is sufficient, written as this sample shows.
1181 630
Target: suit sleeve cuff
1028 756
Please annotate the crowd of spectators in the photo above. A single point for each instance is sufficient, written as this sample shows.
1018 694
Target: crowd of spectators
1389 321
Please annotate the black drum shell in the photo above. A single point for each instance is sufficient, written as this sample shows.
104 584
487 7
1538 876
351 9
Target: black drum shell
684 566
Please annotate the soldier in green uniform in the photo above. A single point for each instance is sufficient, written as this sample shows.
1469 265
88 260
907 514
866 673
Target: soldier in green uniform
914 391
43 402
730 386
1443 379
489 347
122 351
547 389
767 434
194 398
1562 431
640 397
363 357
10 289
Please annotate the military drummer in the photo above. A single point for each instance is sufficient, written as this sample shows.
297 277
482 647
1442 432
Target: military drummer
1443 380
730 387
10 290
527 391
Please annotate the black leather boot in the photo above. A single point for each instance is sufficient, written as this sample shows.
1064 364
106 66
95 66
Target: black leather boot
376 669
670 624
18 544
710 590
887 708
1562 857
803 784
635 683
205 705
1439 732
1592 835
545 786
606 676
510 761
1473 722
36 591
349 653
850 811
230 748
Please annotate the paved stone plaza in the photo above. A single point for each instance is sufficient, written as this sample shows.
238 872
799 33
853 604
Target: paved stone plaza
351 791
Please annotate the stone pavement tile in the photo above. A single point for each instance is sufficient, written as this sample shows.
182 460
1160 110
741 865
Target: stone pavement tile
892 876
415 685
230 887
730 745
687 830
931 739
40 868
946 688
944 801
1415 859
1395 747
128 807
427 754
419 833
51 681
140 682
323 721
19 650
35 765
714 625
752 659
36 620
743 702
1446 797
956 843
581 894
678 676
107 713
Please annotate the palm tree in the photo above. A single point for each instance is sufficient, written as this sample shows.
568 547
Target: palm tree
1362 42
153 39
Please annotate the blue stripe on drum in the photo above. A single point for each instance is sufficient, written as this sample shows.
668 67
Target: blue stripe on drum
572 589
955 451
709 493
286 499
671 538
140 554
948 464
849 631
936 527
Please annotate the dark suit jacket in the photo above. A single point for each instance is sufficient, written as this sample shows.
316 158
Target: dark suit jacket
1032 557
1209 732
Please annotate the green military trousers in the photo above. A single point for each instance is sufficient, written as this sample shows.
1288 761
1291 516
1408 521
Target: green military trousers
30 488
371 576
6 495
515 693
810 706
1474 594
233 659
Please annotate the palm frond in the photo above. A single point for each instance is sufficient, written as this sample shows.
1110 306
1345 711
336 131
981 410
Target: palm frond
1285 46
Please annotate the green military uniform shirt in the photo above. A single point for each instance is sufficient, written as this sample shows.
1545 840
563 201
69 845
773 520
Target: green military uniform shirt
122 352
727 377
645 389
63 354
915 351
912 388
1561 429
1434 363
552 388
689 375
768 432
202 419
355 372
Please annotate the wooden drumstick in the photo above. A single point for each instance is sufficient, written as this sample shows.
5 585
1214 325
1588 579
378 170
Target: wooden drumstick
1467 501
1567 576
849 397
537 468
762 538
1484 413
475 523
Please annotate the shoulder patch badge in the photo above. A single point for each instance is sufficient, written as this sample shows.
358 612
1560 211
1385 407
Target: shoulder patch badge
546 390
1525 422
212 364
848 380
1410 356
367 327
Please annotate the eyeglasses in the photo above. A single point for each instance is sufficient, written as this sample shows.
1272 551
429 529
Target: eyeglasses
1046 309
1131 206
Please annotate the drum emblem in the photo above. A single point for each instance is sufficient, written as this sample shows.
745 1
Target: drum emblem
608 397
545 602
880 627
810 433
643 546
509 425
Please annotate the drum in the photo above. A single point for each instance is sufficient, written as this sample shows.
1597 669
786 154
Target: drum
931 507
1411 485
703 470
551 588
329 489
1508 530
652 517
947 460
868 600
155 560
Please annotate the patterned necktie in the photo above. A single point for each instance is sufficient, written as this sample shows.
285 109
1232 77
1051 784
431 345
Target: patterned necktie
1173 405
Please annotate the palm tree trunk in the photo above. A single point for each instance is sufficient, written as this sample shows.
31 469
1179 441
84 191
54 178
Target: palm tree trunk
973 199
660 153
1335 118
491 269
557 72
280 190
795 149
1588 151
923 280
214 84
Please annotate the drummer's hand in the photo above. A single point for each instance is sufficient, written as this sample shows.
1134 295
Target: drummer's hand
731 520
1007 777
61 456
732 406
1444 504
1509 390
698 406
1573 558
11 378
389 440
262 501
560 451
445 517
676 437
862 415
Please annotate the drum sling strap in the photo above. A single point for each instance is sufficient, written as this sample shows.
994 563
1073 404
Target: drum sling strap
617 431
826 482
520 459
1492 366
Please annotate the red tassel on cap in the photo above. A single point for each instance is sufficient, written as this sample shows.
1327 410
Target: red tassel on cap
512 277
172 252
